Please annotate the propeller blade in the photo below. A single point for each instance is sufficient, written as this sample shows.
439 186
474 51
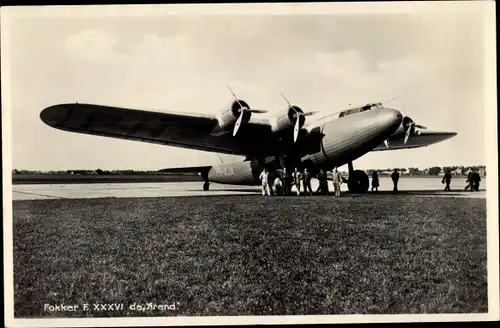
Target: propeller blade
237 125
296 131
420 126
386 142
404 110
290 105
309 113
407 135
257 111
231 90
235 98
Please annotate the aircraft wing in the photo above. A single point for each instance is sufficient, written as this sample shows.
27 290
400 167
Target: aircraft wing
421 138
167 128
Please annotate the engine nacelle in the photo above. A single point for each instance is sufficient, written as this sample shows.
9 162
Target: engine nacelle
288 119
405 125
229 116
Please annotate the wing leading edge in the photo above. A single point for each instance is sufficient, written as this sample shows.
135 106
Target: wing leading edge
167 128
422 138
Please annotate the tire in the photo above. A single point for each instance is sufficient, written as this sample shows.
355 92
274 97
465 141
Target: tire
206 186
358 182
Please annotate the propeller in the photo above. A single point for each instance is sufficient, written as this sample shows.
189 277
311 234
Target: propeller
242 110
296 115
409 126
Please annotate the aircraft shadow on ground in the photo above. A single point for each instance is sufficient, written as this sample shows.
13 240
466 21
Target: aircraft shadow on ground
420 192
440 192
231 190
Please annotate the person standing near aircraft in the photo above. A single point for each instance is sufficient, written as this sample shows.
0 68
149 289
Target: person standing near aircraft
264 178
323 182
337 180
306 177
285 180
375 181
297 177
395 179
447 179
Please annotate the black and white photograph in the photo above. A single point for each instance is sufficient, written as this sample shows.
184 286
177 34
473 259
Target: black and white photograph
257 163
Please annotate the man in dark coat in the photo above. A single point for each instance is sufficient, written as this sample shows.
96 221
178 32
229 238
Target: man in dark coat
375 182
469 181
395 179
476 179
447 179
323 182
306 177
286 179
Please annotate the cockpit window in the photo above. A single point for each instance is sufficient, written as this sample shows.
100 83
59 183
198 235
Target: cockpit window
359 109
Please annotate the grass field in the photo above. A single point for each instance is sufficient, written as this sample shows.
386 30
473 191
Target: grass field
251 255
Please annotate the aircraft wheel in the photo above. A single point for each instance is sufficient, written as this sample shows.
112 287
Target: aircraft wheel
358 182
206 186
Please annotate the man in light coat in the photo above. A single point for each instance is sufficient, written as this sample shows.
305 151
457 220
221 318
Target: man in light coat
337 180
264 178
297 178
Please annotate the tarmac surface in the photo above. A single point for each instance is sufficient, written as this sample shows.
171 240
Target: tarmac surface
407 185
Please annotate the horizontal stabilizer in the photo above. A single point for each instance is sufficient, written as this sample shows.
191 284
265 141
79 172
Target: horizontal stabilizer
192 169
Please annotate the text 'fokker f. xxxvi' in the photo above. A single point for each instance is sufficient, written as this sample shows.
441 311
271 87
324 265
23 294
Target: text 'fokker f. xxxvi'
282 141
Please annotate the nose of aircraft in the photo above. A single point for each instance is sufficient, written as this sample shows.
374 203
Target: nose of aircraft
389 119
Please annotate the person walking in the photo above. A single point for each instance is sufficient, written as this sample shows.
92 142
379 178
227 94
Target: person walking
447 180
337 180
375 181
469 181
476 180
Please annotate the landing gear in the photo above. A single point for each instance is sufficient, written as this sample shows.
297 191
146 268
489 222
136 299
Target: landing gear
358 182
204 175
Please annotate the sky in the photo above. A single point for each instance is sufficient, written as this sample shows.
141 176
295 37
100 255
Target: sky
433 61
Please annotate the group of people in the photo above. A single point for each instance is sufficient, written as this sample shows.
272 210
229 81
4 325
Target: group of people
473 181
282 183
376 182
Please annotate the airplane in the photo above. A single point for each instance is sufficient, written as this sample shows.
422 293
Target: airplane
284 140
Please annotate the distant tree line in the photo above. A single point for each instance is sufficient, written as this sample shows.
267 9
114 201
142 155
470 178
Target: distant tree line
434 170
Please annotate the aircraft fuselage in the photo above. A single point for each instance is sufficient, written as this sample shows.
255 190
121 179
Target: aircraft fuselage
326 144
